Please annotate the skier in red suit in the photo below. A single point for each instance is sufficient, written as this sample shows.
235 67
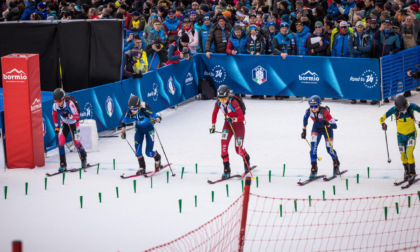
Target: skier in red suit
233 112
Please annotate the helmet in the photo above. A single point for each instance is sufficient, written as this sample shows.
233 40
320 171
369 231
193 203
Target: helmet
401 103
59 94
223 91
134 102
315 100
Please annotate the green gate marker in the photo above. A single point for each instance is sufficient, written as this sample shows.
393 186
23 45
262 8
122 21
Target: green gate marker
151 182
281 210
180 205
409 201
310 201
334 189
347 184
97 169
135 186
396 206
368 172
242 182
100 197
81 201
418 193
227 190
269 176
195 198
45 183
182 173
116 188
26 188
323 194
5 192
64 177
196 168
284 169
167 177
114 163
212 196
386 213
357 176
257 181
80 173
295 205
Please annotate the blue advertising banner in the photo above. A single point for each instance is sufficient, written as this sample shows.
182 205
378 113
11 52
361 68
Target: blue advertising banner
330 77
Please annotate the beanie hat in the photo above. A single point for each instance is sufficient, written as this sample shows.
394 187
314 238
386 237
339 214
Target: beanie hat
185 38
318 23
205 8
135 52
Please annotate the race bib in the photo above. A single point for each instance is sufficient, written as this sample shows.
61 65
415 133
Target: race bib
152 135
76 135
238 142
314 136
225 134
410 142
401 148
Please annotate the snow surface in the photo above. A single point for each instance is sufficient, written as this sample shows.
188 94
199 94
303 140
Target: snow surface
52 220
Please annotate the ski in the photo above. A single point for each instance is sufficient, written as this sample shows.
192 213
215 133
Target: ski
400 182
334 176
149 174
233 176
410 184
135 175
310 180
70 170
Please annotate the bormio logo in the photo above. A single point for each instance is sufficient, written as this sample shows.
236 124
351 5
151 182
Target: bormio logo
15 75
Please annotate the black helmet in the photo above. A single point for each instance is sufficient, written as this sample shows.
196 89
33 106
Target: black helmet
134 102
223 91
59 94
401 103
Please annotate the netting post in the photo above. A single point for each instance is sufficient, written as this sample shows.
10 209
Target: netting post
244 213
16 246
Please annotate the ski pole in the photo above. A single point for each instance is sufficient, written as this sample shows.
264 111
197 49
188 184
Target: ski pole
131 147
77 149
319 158
237 142
169 164
387 151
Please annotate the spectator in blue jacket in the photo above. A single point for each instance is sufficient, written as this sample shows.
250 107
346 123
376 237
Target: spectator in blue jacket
203 34
340 41
237 41
386 41
360 44
42 10
302 33
334 10
350 5
270 34
30 8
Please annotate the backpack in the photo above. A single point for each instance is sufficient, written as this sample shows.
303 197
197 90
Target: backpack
240 101
206 89
68 98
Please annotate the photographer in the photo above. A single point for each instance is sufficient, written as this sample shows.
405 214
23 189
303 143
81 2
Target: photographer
157 38
135 63
179 50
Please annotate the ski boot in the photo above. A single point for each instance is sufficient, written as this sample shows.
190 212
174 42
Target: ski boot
158 164
142 165
314 170
412 175
226 170
83 159
406 171
336 168
63 163
247 163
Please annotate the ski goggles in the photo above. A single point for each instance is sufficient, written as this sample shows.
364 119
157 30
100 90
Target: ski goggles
133 109
58 101
223 98
314 106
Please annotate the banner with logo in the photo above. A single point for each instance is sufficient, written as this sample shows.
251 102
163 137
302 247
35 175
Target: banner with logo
329 77
161 89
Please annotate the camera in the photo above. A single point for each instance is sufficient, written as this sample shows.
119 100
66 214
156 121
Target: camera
186 52
235 50
158 42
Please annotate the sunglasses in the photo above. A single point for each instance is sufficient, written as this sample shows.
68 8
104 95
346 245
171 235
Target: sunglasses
343 27
318 27
314 106
58 101
133 109
298 24
223 98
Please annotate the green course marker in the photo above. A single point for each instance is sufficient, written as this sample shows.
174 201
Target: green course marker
257 181
26 188
5 192
81 201
180 205
167 177
368 172
45 183
196 168
116 188
281 210
396 206
295 205
100 197
242 182
182 173
97 169
212 196
135 186
323 194
347 184
269 176
386 213
80 173
64 177
114 163
284 169
227 190
418 193
334 189
195 198
357 176
151 182
409 201
310 201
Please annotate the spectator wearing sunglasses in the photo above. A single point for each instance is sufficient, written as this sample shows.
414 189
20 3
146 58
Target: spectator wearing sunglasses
318 42
340 41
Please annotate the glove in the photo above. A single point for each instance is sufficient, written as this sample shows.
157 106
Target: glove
303 135
123 135
384 126
325 122
418 124
212 129
57 130
65 115
229 120
152 120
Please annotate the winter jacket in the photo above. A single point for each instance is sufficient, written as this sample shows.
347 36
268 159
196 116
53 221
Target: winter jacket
363 43
193 35
138 25
153 33
28 12
257 45
202 38
340 45
386 43
284 44
172 26
334 34
219 37
323 50
147 31
238 44
349 6
300 38
334 11
269 42
175 50
132 67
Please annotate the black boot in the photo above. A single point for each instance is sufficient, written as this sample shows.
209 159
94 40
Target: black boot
63 163
406 171
158 164
412 175
314 169
336 165
247 163
83 156
226 170
142 166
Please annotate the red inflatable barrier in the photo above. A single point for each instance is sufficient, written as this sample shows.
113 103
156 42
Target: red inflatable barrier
22 111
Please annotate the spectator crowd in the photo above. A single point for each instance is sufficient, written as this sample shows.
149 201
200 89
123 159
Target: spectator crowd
173 30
